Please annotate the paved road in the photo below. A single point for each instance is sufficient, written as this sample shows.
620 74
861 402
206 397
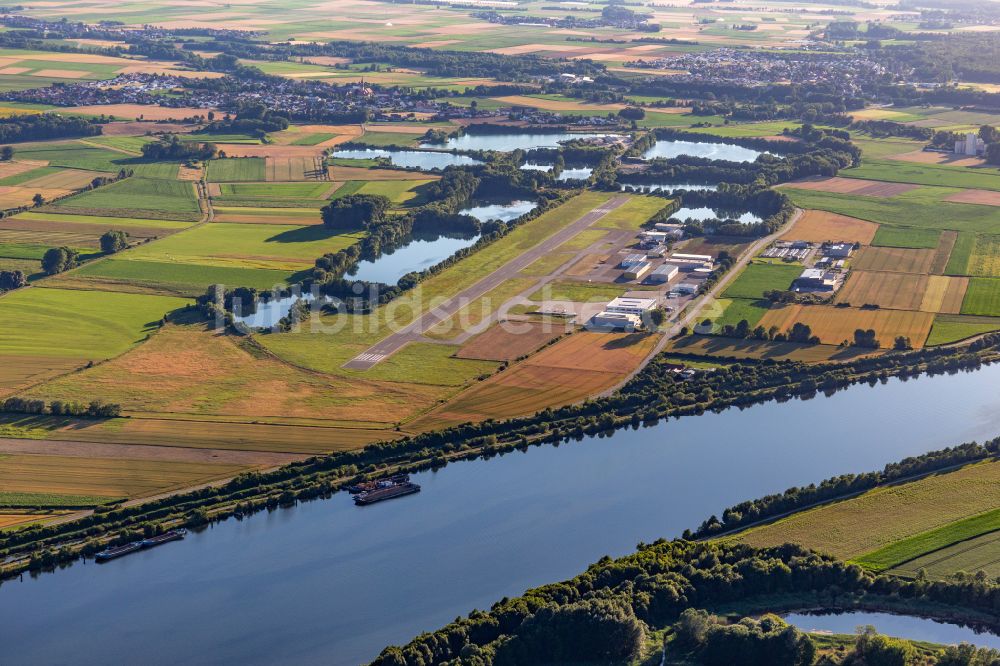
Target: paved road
413 331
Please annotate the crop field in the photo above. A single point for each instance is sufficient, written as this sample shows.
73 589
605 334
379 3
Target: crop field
984 260
137 197
8 520
103 477
899 169
952 328
63 179
263 215
582 364
723 348
982 297
346 173
578 292
981 553
317 190
912 238
14 197
510 340
75 155
735 310
236 169
294 168
944 294
400 192
817 226
898 291
833 325
979 197
854 186
886 515
893 259
88 225
758 278
50 500
187 369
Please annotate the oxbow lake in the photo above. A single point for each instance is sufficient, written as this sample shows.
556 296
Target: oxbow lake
670 149
898 626
330 582
704 213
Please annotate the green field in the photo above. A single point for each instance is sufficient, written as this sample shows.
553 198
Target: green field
578 292
971 556
633 214
958 260
895 171
51 500
101 223
982 297
952 328
314 190
736 310
236 169
909 237
178 279
312 139
758 278
910 548
25 176
389 139
78 324
137 197
76 155
398 191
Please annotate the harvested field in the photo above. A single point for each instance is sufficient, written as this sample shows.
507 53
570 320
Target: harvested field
94 226
510 340
301 216
860 525
894 259
710 345
144 111
944 294
269 150
14 196
833 325
290 169
342 173
867 188
928 157
65 179
104 477
13 519
14 168
558 105
139 128
942 254
981 197
896 291
581 365
817 226
19 370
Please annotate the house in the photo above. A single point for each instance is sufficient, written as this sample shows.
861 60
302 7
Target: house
635 306
637 271
663 274
615 321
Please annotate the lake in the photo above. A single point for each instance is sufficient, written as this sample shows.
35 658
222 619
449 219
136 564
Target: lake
897 626
704 213
513 140
273 310
410 159
666 187
712 151
330 582
421 252
568 173
503 211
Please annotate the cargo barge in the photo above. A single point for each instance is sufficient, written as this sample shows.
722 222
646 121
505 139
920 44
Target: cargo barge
386 492
151 542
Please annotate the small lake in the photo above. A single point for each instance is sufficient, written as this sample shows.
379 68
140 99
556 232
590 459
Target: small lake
421 252
513 141
704 213
897 626
410 159
667 187
505 212
712 151
271 311
568 173
329 582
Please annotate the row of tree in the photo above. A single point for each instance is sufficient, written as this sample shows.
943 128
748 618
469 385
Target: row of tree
95 409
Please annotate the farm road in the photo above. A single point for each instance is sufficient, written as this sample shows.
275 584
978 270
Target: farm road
413 331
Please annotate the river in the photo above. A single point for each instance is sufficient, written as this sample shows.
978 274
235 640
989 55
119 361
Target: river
330 582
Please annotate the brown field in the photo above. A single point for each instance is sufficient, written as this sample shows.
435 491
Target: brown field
13 196
833 325
66 179
272 216
61 73
710 345
186 369
502 343
944 294
396 128
928 157
838 185
54 238
79 229
557 105
817 226
946 243
896 291
13 519
289 169
328 60
582 365
189 174
146 111
894 259
139 128
13 168
104 477
981 197
18 371
359 173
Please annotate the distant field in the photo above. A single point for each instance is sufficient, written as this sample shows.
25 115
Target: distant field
236 169
896 171
818 226
313 190
758 278
137 197
75 155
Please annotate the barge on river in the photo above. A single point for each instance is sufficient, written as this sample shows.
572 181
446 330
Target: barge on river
371 492
151 542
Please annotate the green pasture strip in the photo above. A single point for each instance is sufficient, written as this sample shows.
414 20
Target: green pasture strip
952 328
906 237
912 547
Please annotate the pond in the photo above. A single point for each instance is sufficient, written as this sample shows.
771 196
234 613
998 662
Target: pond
505 212
420 253
670 149
667 187
704 213
507 142
330 582
897 626
271 311
410 159
568 173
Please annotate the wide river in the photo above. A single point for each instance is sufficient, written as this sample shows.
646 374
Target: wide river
330 582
